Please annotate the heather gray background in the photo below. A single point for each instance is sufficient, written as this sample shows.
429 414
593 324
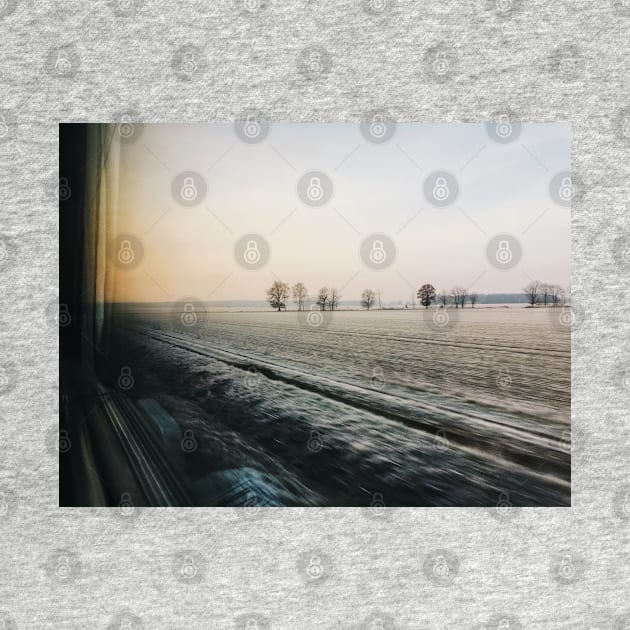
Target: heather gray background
546 61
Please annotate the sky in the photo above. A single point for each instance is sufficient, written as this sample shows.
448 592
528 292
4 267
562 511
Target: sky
378 189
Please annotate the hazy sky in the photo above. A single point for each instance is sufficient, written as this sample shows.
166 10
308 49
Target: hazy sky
188 251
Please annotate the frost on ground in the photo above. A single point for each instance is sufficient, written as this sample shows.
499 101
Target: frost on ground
376 404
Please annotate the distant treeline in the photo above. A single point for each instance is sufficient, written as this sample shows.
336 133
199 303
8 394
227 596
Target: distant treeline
329 298
503 298
489 298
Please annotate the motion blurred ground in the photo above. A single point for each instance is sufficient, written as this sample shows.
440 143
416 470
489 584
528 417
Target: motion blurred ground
373 407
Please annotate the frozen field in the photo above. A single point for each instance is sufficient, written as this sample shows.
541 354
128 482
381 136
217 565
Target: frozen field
371 407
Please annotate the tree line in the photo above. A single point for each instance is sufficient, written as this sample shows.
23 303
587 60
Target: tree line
328 298
457 296
538 292
279 292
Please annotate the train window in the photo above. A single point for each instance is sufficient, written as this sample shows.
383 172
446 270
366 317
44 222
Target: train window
257 314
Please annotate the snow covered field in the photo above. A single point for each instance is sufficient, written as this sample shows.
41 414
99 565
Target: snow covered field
371 408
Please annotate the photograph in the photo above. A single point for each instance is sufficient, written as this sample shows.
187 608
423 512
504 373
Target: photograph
371 314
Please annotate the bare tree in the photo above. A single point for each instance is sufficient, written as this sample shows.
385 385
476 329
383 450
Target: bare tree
278 294
455 295
556 294
367 299
322 298
333 298
459 296
473 298
442 298
545 291
426 295
531 292
462 297
299 294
